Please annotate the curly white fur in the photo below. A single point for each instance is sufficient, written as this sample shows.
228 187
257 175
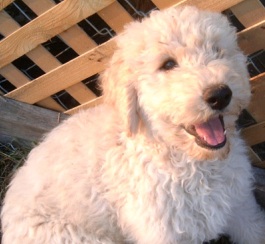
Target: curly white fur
127 171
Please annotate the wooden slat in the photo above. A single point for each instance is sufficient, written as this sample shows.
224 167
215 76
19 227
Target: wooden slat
8 26
50 104
71 73
252 39
26 121
249 12
161 4
74 37
77 39
47 62
254 158
4 3
80 43
18 79
254 134
41 57
44 59
214 5
115 16
260 165
14 76
39 6
49 24
86 105
81 93
256 107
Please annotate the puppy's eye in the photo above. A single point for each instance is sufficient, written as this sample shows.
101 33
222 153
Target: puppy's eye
216 49
169 64
219 52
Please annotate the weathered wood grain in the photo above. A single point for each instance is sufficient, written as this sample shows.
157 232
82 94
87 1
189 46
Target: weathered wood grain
26 121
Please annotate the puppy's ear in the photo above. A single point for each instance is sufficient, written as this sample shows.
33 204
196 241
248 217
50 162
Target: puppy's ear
119 91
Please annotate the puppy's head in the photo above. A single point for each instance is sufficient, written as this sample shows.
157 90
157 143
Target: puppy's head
182 74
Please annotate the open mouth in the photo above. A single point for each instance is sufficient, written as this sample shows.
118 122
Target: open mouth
210 134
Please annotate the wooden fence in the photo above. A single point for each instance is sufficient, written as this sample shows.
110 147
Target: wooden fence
63 20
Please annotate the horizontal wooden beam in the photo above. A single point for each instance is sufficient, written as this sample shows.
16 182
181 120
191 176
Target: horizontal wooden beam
28 122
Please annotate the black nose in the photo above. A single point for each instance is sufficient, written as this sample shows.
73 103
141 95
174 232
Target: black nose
218 96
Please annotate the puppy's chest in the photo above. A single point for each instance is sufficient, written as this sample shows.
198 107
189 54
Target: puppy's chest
203 197
201 186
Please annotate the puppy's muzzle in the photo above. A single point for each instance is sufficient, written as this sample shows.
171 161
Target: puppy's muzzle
218 96
211 134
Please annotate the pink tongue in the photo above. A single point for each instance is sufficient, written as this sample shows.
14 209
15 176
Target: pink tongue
211 131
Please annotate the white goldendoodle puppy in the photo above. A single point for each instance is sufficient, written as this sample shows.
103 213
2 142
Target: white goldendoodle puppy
160 162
